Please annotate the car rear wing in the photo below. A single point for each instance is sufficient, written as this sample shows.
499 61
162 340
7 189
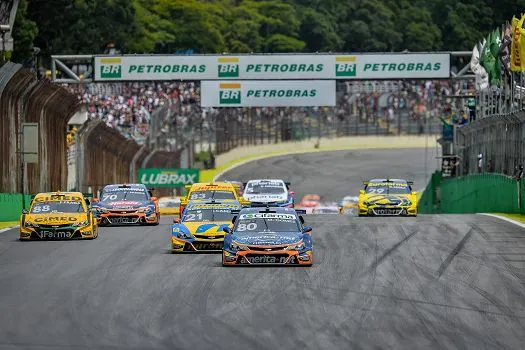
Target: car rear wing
288 184
410 183
263 204
235 211
365 183
300 211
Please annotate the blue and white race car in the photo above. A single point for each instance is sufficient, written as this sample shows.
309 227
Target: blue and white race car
269 191
268 236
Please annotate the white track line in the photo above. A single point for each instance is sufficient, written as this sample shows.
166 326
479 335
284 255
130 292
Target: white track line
8 228
505 219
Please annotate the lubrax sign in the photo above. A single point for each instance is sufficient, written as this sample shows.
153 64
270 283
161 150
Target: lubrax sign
273 67
155 177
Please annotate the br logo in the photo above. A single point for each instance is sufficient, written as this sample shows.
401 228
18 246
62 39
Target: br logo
228 67
110 68
229 93
345 66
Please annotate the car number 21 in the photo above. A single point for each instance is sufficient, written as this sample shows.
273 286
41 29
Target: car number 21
247 227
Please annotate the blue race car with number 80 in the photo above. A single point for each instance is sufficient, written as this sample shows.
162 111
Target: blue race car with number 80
268 236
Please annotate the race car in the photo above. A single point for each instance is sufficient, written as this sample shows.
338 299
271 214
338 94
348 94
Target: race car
200 227
169 205
387 197
348 204
310 200
272 191
56 216
126 204
268 236
217 191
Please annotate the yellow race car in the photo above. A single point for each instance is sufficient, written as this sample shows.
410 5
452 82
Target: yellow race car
218 191
58 215
201 225
387 197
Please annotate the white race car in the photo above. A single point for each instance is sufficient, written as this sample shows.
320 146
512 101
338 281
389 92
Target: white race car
274 191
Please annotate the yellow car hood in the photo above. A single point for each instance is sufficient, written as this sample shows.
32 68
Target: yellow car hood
388 199
56 219
206 228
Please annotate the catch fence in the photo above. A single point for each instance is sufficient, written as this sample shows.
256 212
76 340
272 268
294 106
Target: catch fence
495 141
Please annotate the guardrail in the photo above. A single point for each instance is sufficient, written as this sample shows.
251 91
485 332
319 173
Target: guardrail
25 99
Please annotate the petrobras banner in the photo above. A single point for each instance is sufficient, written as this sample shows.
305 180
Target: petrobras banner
274 93
272 67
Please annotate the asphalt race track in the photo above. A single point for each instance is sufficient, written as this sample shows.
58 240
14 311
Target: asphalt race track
453 281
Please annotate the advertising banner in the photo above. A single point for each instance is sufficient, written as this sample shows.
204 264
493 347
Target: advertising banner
154 177
272 67
274 93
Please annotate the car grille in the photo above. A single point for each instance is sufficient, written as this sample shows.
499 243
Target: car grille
123 211
204 246
123 219
266 249
387 211
209 237
52 227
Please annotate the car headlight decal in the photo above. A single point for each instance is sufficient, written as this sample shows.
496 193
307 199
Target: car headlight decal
236 246
81 224
297 246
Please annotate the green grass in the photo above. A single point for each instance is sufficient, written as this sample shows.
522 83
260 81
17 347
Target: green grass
516 217
6 224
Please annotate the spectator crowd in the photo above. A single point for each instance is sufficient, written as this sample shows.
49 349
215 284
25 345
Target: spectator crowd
128 107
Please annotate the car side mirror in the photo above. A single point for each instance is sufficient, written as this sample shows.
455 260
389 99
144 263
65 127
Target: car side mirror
88 203
301 219
25 211
362 192
307 229
234 218
176 220
227 230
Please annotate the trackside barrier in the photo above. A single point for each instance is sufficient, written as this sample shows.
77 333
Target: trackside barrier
25 99
500 139
105 156
11 205
478 193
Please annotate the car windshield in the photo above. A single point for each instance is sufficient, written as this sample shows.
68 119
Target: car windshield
125 195
211 194
266 188
267 222
57 207
393 188
217 214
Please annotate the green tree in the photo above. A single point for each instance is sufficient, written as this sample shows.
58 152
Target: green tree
193 24
319 32
24 33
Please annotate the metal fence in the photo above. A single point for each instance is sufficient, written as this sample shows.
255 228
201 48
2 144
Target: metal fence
25 99
495 141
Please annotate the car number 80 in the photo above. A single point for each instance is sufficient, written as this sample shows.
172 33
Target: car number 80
247 227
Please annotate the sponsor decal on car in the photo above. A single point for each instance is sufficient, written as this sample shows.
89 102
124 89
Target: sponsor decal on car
267 216
267 259
55 234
